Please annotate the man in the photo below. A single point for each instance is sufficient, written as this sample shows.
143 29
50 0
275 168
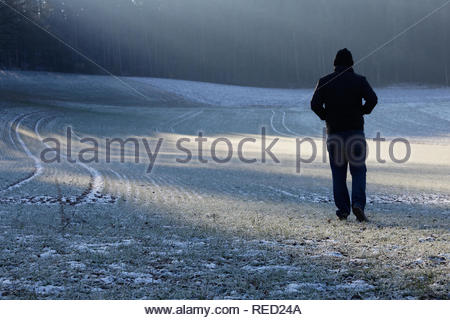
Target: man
338 99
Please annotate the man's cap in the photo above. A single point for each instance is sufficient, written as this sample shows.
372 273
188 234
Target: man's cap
343 58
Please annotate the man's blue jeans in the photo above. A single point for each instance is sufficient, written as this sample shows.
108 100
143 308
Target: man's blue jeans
348 149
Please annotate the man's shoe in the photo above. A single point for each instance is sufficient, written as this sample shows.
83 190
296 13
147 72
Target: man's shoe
359 213
342 216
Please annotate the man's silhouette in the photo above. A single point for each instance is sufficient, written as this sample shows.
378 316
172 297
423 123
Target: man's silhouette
338 99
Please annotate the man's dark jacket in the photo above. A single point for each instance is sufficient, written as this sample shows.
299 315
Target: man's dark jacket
338 99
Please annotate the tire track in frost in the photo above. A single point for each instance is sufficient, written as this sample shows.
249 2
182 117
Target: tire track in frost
9 152
283 123
8 149
38 168
72 200
96 185
51 170
273 127
291 133
93 193
11 124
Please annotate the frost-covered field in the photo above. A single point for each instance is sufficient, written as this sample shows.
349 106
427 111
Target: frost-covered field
208 230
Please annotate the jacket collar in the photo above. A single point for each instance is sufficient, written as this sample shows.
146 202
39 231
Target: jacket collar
343 69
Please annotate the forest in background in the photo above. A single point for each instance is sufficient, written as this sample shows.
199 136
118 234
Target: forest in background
274 43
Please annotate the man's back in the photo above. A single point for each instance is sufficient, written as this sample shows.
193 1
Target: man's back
342 92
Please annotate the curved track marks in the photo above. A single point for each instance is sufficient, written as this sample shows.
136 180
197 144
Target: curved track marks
283 123
38 167
290 133
91 194
273 126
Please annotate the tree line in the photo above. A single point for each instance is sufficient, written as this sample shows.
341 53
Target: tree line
276 43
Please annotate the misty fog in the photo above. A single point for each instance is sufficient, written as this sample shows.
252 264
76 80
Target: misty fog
276 43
